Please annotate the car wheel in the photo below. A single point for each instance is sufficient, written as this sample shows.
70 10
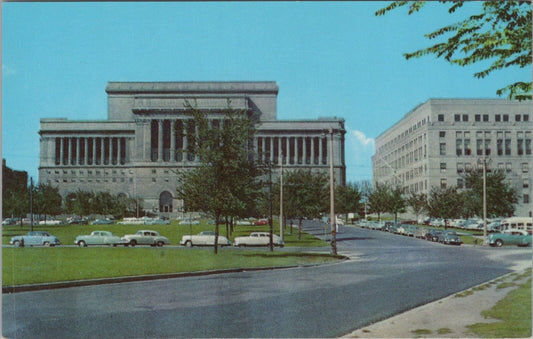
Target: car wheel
133 243
46 244
499 243
114 245
82 244
188 243
17 243
160 244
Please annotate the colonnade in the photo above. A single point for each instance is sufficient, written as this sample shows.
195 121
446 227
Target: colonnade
90 151
169 141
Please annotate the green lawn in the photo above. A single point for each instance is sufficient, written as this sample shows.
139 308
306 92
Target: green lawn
514 311
40 265
31 265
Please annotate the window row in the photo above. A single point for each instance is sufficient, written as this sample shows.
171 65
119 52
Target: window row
486 117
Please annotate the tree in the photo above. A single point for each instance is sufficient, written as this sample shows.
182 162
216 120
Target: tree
445 203
501 197
306 195
378 199
15 203
47 200
500 34
347 198
395 201
79 203
417 202
225 182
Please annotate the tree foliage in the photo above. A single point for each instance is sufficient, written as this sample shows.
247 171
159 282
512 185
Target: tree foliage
395 201
500 34
47 200
445 203
501 197
347 198
417 202
225 183
378 199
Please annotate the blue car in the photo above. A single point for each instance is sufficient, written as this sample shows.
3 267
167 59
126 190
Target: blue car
35 238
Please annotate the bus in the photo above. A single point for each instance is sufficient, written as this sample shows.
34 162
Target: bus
516 223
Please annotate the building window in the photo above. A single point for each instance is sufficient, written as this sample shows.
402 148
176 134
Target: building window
525 167
497 117
442 148
507 147
520 146
442 167
506 117
485 117
443 183
508 167
153 180
460 168
459 182
442 134
526 117
500 166
465 117
440 117
525 183
457 117
517 117
459 147
154 171
526 198
477 117
468 167
499 146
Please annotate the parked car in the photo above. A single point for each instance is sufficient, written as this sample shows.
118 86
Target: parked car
50 222
157 221
258 239
433 235
100 238
35 238
261 222
77 221
189 222
204 238
243 223
510 237
8 221
450 238
102 222
146 237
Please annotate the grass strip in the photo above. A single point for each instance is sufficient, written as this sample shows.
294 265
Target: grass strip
514 311
42 265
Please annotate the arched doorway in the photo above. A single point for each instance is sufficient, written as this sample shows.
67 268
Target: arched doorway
165 202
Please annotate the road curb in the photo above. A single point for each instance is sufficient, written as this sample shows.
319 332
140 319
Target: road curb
91 282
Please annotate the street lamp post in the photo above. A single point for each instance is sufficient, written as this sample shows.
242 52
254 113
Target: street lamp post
483 160
333 221
281 198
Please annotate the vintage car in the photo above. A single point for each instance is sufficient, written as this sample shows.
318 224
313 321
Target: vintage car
99 238
189 222
205 238
156 221
510 237
102 222
35 238
450 238
261 222
146 237
258 239
50 222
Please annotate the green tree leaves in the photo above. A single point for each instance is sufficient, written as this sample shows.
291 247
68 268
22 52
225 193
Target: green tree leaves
500 34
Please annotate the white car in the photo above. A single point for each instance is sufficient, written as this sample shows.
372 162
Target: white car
205 238
146 237
50 222
258 239
189 222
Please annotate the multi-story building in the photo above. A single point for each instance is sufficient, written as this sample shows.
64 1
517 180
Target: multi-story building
138 149
441 139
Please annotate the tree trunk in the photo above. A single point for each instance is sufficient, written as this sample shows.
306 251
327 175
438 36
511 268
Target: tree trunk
300 224
217 220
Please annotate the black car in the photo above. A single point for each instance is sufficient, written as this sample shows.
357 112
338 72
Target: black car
434 235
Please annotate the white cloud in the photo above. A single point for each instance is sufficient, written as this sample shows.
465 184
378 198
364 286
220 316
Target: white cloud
6 70
358 153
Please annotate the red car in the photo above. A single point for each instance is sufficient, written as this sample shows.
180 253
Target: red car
261 222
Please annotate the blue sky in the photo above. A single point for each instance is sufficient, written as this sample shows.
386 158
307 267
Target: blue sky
328 58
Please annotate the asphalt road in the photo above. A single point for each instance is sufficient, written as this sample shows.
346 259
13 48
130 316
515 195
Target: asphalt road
387 274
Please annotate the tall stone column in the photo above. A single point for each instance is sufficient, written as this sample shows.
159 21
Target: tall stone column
173 140
78 153
295 150
111 149
320 150
271 156
102 153
62 150
159 140
71 151
119 149
94 151
86 148
185 141
304 150
313 150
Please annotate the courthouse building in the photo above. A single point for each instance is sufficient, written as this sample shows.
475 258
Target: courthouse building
441 139
136 151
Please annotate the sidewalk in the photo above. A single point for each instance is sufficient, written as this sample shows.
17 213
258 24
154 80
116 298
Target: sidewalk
448 317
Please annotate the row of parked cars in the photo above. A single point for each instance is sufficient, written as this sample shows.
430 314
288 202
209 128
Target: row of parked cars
145 237
448 237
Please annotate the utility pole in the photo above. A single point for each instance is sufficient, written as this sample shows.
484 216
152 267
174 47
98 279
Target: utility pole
31 204
271 243
333 220
281 228
484 200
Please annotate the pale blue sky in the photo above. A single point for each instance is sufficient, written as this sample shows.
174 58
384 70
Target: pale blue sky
328 58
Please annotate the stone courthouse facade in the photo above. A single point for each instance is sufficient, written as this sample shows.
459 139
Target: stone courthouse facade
138 149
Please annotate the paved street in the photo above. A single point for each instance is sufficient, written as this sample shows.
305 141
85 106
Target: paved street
387 274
